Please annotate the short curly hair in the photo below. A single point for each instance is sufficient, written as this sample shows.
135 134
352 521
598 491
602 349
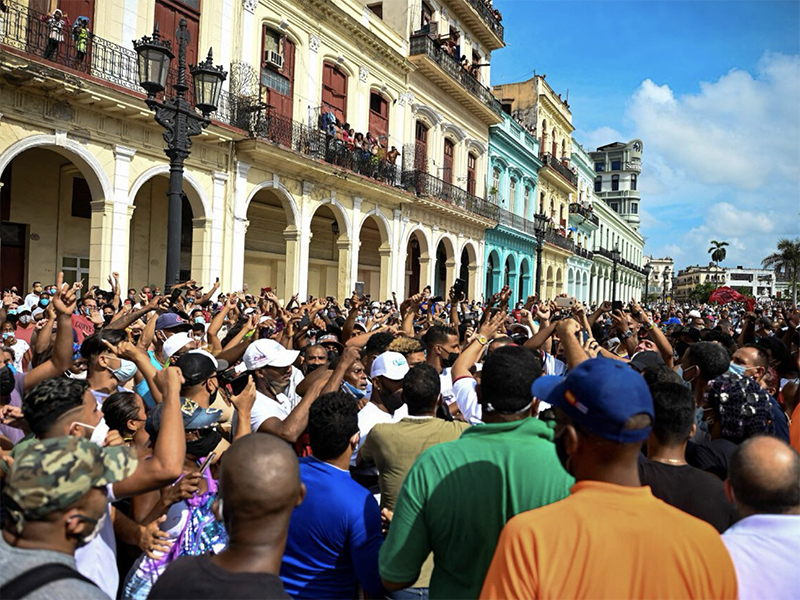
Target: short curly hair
49 400
332 421
742 405
406 345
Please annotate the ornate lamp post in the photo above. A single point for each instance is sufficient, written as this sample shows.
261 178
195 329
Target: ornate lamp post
539 229
615 255
647 270
178 117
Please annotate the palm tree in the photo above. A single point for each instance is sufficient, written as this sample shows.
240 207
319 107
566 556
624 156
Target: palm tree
717 251
786 259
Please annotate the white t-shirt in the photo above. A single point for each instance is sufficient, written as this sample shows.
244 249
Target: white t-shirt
97 560
368 417
265 407
446 383
466 398
18 350
31 300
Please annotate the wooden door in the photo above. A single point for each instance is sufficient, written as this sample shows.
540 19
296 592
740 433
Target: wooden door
471 160
334 92
282 103
447 172
379 117
421 147
168 16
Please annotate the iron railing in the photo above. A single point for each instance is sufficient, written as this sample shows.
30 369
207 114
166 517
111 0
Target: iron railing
587 214
421 43
520 223
26 30
555 164
559 240
421 183
622 261
584 252
487 14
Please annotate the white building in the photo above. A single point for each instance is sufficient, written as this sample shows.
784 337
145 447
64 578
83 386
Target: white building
759 283
658 266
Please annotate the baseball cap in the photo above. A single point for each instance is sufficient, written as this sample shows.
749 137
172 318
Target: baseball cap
37 312
171 321
695 314
268 353
194 417
600 395
176 342
51 475
198 365
330 338
641 360
391 365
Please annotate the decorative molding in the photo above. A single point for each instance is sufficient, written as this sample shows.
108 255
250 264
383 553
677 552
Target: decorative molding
455 131
61 137
250 5
308 187
363 74
124 152
314 42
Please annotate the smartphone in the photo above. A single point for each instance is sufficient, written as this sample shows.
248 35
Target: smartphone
562 302
207 463
304 322
360 289
265 290
459 285
616 305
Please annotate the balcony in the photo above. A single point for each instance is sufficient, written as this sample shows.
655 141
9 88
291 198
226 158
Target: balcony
443 69
421 183
577 209
608 194
25 34
514 221
584 253
556 165
480 21
553 237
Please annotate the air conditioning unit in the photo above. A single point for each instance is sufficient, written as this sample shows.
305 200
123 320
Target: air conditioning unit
274 59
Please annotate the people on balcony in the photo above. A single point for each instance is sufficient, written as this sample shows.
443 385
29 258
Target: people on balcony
56 22
81 35
364 154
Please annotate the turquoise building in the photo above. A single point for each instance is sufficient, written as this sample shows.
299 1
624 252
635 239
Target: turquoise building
513 176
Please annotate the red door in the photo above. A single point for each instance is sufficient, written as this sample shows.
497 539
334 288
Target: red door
421 147
334 92
168 17
471 173
282 103
447 173
379 117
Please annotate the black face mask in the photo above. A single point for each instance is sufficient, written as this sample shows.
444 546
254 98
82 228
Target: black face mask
311 368
204 445
6 381
448 362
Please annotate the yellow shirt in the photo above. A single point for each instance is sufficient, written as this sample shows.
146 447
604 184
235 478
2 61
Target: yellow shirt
609 541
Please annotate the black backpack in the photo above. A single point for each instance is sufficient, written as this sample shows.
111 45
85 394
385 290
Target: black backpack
31 580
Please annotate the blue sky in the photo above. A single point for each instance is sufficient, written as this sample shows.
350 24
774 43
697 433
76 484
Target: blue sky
711 87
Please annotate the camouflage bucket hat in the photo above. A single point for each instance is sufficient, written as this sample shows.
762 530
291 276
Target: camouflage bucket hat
51 475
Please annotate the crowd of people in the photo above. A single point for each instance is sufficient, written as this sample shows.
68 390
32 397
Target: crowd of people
200 444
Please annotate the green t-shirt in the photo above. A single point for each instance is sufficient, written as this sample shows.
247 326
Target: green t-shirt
458 496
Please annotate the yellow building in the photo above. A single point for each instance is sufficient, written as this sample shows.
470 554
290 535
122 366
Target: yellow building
271 200
536 105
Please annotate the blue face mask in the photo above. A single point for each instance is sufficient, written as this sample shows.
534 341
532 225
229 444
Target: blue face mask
12 311
125 372
44 301
353 390
687 384
199 320
740 370
8 334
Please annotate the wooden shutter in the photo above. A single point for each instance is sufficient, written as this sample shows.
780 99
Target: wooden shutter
168 16
334 91
379 117
471 174
421 147
447 173
283 104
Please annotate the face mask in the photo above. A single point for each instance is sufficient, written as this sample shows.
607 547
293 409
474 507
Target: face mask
204 445
44 302
81 375
738 369
25 319
374 311
11 311
213 396
126 370
99 431
450 360
98 526
353 390
8 334
52 290
200 320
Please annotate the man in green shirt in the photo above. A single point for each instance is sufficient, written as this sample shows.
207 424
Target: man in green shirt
458 495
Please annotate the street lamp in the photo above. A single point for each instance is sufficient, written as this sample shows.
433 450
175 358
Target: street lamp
178 117
647 270
615 255
666 278
539 229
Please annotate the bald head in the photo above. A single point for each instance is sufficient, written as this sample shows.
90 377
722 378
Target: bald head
259 479
764 477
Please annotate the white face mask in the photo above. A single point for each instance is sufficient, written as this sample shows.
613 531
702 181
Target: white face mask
96 531
99 433
81 375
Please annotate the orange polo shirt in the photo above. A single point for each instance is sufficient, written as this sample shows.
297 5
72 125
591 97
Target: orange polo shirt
794 428
609 541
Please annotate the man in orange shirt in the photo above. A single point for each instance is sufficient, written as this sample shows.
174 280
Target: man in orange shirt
611 538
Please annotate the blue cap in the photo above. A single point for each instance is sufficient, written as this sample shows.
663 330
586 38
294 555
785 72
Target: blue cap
171 321
600 395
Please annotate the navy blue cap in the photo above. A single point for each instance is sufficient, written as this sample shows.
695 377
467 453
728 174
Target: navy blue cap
600 395
194 417
172 321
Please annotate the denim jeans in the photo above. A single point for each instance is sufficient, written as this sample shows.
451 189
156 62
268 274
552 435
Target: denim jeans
409 594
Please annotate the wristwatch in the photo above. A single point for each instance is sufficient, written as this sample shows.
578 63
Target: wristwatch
482 340
649 326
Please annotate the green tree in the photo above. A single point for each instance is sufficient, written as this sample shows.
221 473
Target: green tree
702 291
786 259
717 251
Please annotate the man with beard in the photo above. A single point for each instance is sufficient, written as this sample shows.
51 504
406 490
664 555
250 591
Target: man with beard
443 348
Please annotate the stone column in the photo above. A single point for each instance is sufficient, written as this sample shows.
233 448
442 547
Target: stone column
292 280
100 242
201 250
345 284
234 278
217 231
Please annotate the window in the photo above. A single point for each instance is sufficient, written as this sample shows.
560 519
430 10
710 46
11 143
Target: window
75 268
377 9
81 199
471 164
615 183
598 184
277 71
527 201
495 182
599 167
427 15
449 148
272 43
634 208
633 182
421 147
379 117
168 14
512 193
334 91
615 207
616 165
563 148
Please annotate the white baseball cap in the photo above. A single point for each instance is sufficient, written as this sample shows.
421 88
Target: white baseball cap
268 353
695 314
176 342
391 365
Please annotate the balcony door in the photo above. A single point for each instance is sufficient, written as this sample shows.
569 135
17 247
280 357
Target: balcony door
277 71
421 147
447 173
471 161
379 117
334 92
168 16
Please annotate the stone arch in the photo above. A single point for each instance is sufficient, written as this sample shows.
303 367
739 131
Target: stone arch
426 114
422 237
444 264
571 282
286 199
344 65
338 210
384 226
559 289
494 270
418 261
201 206
454 131
476 145
96 177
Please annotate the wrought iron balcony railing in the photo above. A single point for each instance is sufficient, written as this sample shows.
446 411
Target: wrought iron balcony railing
520 223
487 14
26 30
589 215
555 164
425 184
422 43
559 240
584 252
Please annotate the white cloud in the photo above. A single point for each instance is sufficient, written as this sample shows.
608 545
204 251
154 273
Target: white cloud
721 163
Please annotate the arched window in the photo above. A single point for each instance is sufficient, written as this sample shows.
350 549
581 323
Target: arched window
512 194
563 149
543 147
633 182
495 191
541 203
554 149
614 183
598 184
449 149
472 161
421 147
